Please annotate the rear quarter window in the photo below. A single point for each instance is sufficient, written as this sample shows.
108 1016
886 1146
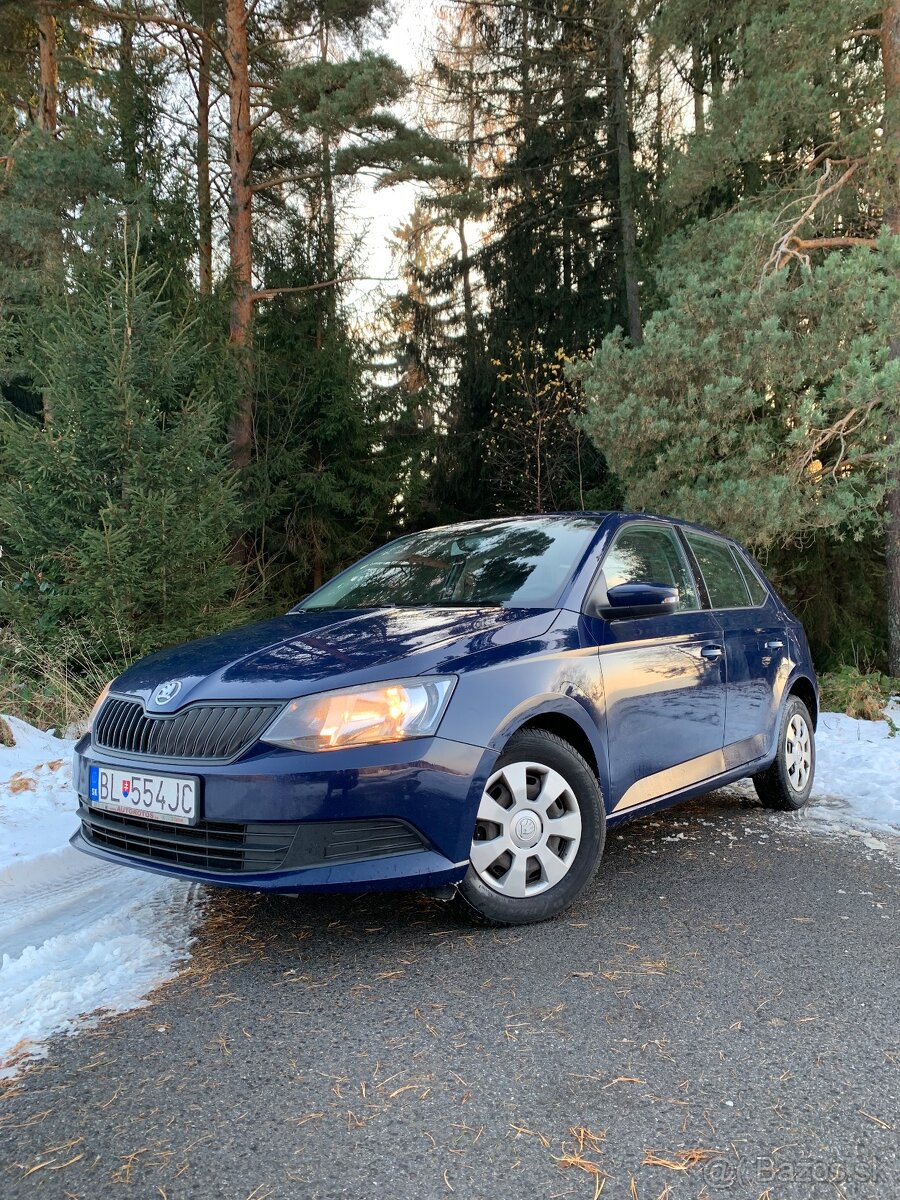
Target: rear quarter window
758 593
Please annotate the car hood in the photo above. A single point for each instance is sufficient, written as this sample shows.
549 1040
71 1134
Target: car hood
308 651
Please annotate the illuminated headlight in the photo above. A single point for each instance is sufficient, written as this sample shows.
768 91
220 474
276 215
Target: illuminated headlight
363 716
98 704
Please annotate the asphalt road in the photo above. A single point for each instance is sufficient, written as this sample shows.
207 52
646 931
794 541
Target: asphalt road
719 1017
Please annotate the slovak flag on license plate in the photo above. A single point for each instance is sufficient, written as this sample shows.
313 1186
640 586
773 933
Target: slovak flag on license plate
126 786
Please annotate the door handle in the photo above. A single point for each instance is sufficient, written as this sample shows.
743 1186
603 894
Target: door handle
775 645
711 652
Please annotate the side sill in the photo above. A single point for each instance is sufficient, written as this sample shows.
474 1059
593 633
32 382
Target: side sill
689 793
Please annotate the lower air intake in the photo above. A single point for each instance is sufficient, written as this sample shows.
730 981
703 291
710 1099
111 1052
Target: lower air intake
223 846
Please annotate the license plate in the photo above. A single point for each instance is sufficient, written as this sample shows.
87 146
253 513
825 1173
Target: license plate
153 797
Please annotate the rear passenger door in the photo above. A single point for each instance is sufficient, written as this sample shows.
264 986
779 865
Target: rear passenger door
756 641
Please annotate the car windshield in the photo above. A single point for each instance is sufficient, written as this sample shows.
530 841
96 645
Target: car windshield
521 563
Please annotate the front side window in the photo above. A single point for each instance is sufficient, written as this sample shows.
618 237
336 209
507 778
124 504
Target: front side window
723 580
522 563
645 554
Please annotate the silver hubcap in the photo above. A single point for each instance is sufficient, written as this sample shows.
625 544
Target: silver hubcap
797 752
528 830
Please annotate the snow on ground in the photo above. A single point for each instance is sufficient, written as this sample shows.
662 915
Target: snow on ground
37 806
76 935
856 790
858 770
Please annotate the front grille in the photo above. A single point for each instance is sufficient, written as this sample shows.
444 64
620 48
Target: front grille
201 732
224 846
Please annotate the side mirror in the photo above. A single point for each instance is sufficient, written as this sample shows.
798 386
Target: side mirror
627 600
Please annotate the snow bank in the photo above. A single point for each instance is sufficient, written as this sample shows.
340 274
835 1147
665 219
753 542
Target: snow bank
76 935
37 804
857 783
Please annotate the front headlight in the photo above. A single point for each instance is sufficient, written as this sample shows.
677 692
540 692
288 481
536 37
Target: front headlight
361 716
98 704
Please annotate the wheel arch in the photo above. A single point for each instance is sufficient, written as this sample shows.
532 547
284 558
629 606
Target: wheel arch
569 730
805 690
566 717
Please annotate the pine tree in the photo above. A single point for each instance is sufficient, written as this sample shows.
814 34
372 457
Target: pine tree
765 397
319 488
117 518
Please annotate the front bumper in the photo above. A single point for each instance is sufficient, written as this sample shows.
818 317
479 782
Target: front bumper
370 818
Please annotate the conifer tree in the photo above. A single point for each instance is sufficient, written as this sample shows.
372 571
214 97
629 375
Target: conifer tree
117 518
765 398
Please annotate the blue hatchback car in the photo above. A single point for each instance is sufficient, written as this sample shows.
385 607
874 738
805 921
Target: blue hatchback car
466 709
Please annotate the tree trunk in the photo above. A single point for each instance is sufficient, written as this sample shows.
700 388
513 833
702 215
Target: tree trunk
715 70
48 99
627 225
471 102
697 88
48 96
329 225
240 226
127 115
658 135
890 54
468 301
204 200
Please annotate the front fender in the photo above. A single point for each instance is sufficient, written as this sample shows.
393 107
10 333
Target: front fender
555 675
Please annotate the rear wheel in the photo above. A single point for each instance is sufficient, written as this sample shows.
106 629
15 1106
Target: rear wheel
539 833
787 783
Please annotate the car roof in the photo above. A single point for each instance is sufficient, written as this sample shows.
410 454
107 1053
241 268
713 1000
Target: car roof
597 516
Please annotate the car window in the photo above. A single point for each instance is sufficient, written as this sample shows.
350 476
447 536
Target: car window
522 562
758 594
723 580
650 555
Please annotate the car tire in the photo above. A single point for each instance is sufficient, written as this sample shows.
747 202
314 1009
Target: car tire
539 833
787 783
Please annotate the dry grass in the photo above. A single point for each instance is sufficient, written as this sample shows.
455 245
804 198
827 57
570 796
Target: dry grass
678 1160
857 693
226 935
575 1156
56 687
574 1159
6 734
16 1056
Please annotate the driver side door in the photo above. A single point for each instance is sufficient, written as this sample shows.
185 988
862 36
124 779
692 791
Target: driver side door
663 676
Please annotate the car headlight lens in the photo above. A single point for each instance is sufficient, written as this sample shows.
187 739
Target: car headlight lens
363 716
98 704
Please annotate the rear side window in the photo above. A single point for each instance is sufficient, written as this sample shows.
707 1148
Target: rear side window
724 581
758 594
642 554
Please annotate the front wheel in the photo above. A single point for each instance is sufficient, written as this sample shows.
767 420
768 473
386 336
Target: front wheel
539 833
787 783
